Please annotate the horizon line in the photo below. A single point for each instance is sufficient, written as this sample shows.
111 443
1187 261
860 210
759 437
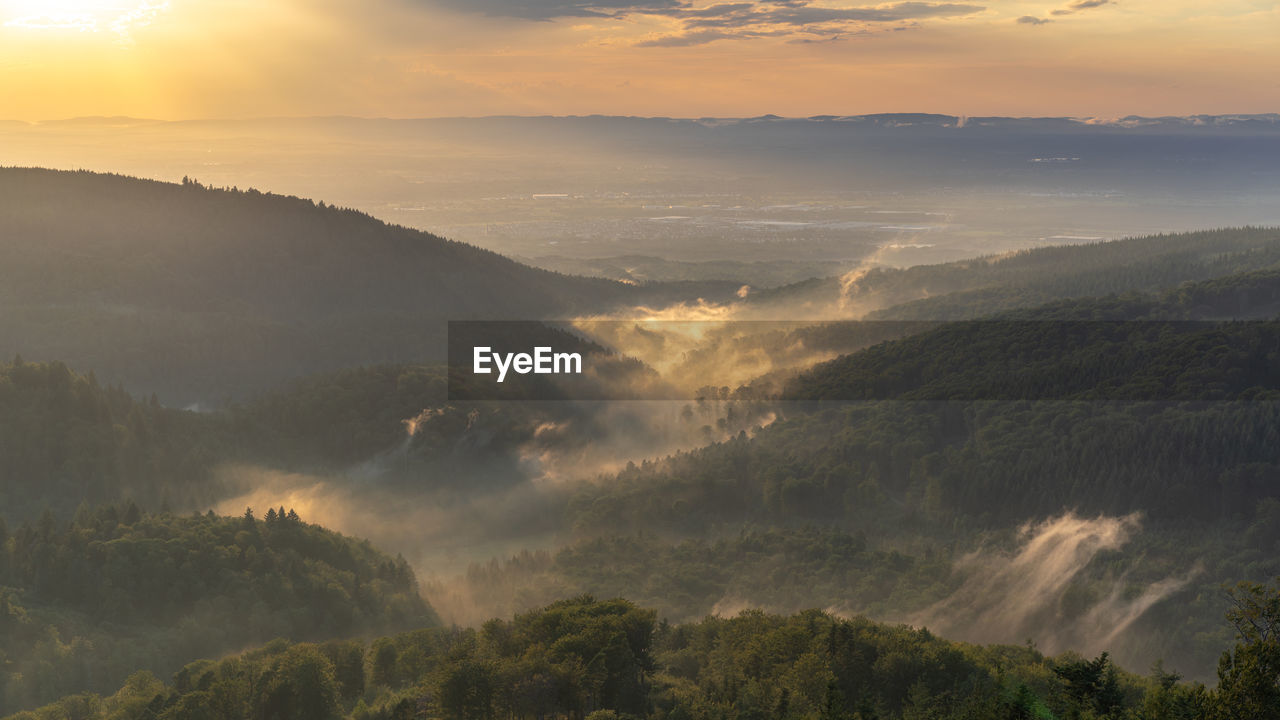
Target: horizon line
1084 119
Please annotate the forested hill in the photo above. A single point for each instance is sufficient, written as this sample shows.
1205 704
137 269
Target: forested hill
1175 423
66 439
1196 437
982 286
199 293
1170 346
1079 350
84 604
610 660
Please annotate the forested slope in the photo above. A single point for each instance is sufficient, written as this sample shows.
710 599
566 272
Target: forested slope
1200 402
604 660
84 604
202 294
968 432
65 439
982 286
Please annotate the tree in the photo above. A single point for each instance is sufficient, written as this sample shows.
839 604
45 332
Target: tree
299 686
466 692
1249 674
1092 684
1171 699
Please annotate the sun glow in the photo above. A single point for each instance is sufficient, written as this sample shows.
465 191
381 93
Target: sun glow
80 15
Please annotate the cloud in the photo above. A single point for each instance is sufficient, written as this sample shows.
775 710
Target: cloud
553 9
818 41
804 15
701 37
1033 20
718 10
1010 595
762 18
806 23
119 19
1079 5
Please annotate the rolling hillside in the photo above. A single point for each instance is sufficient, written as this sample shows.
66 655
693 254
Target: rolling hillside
201 294
84 604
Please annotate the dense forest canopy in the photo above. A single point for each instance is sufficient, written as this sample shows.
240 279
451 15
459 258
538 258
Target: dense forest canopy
605 660
65 439
86 603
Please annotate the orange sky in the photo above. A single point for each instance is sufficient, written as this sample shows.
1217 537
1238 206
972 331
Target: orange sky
422 58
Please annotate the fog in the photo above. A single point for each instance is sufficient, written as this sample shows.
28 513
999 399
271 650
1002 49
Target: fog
1048 589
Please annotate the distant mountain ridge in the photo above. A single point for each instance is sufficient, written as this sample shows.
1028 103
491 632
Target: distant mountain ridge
1254 120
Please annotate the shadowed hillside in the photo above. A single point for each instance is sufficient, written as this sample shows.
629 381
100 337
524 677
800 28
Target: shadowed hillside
200 294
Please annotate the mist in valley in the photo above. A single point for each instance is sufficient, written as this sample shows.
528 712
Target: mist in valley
348 372
1049 589
501 507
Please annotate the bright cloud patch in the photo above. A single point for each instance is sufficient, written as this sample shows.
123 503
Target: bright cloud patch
82 15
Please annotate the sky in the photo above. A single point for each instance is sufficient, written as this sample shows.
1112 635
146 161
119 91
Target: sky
185 59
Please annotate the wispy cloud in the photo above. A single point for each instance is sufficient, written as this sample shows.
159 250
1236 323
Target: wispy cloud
805 15
1079 5
1033 20
800 19
733 14
698 37
820 40
83 22
554 9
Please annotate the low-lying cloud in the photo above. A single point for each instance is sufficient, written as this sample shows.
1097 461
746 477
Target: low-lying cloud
1042 591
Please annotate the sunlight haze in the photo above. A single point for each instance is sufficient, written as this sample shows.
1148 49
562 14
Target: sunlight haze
186 59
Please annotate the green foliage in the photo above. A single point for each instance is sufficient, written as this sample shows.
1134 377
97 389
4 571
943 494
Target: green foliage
779 568
1093 686
66 440
297 685
1249 674
607 660
1047 358
340 418
83 605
